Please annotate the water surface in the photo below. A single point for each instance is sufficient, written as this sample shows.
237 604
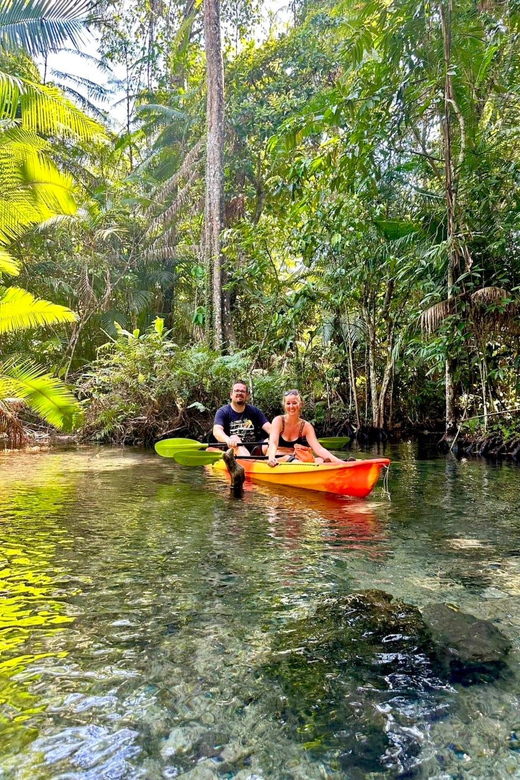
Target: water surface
140 603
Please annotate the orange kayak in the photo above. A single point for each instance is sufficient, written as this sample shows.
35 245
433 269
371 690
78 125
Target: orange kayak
349 478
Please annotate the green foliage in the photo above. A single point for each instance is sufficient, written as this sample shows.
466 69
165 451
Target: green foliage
33 189
336 234
43 394
19 310
40 26
143 385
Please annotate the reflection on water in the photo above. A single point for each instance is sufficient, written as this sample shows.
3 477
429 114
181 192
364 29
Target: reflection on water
141 601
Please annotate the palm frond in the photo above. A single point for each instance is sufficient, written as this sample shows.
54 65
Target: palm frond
32 190
7 264
160 113
46 395
42 108
479 304
179 201
41 26
432 317
101 64
19 310
97 91
164 190
85 104
491 295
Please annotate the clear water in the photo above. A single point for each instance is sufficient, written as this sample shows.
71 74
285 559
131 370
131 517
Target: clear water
140 601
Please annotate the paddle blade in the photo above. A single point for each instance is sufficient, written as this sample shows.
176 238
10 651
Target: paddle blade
334 442
167 447
192 457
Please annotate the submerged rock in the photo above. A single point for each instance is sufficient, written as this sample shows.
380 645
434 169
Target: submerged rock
472 650
358 682
362 677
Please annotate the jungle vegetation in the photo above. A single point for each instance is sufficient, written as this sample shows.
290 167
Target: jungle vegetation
325 197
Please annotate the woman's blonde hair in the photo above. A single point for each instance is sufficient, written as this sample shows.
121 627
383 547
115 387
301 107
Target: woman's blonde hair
293 392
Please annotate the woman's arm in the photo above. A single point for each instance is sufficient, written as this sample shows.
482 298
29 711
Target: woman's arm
274 436
316 447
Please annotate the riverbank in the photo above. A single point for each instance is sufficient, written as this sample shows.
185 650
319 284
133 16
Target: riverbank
496 443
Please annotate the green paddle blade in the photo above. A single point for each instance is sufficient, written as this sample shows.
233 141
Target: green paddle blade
334 442
192 457
167 447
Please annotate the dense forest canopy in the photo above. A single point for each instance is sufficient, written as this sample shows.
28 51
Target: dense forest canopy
331 203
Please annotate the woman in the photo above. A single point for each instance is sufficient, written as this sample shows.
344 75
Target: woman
291 437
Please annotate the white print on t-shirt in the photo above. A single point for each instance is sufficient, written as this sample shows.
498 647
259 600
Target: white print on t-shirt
243 428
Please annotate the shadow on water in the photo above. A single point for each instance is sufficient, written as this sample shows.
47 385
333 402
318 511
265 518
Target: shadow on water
142 607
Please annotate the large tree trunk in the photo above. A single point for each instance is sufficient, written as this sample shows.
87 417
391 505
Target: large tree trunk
214 206
450 195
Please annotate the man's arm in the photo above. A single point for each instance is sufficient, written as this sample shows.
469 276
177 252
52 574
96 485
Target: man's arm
220 435
267 427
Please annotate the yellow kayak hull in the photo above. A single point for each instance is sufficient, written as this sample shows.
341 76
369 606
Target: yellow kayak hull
354 478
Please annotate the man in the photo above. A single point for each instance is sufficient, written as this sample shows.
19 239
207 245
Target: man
238 422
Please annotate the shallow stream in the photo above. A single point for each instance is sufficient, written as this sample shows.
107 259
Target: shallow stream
140 602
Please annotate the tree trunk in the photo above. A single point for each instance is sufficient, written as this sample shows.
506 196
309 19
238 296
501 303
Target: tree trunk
389 367
214 206
371 328
387 378
450 195
353 389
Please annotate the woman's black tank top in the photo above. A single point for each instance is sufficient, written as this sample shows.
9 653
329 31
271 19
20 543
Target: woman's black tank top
300 440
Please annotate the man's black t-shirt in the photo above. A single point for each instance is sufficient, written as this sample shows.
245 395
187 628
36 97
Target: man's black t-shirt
247 424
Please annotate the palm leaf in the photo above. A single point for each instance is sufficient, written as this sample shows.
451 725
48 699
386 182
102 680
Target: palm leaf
434 316
42 108
488 296
7 264
98 62
46 395
32 189
97 91
40 26
169 186
19 310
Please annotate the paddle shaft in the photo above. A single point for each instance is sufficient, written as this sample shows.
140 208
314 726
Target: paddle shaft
168 448
243 444
186 443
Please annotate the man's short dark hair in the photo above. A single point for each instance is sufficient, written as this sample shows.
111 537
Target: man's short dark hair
240 382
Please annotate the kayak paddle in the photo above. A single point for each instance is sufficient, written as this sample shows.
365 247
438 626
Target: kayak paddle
192 457
168 447
334 442
198 458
